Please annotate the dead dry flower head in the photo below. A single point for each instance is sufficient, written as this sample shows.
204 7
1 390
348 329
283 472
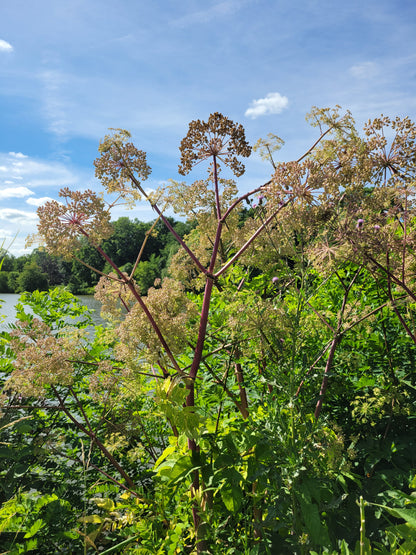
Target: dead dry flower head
121 166
219 137
61 225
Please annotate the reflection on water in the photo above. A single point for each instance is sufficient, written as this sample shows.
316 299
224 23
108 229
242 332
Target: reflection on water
9 301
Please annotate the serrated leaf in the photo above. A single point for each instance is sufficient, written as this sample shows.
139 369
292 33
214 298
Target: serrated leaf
409 515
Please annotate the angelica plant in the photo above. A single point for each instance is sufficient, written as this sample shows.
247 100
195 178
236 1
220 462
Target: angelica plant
202 336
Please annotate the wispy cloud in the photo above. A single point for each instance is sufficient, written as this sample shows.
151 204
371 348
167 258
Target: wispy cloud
219 9
54 105
15 192
18 216
5 46
35 173
364 70
18 155
273 103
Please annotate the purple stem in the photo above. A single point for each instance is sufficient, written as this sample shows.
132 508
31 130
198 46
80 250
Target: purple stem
142 304
248 243
169 226
94 439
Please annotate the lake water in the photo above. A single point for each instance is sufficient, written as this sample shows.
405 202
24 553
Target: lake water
8 312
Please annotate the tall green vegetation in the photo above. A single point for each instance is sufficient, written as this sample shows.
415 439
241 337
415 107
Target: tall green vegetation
260 396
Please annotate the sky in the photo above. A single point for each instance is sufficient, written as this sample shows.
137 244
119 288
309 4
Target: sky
71 69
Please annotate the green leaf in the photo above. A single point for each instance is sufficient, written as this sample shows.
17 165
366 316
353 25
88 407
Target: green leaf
232 496
312 519
93 519
104 503
21 469
181 469
409 515
168 451
34 529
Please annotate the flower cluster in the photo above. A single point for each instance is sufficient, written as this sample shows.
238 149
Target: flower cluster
4 401
172 311
197 201
218 137
104 382
62 224
295 181
42 359
392 145
121 166
116 298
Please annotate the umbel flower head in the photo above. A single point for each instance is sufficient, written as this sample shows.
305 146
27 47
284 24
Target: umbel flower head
62 225
219 137
119 162
41 358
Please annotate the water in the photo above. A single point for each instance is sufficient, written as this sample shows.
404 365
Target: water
8 312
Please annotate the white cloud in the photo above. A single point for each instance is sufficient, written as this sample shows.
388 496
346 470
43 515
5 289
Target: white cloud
18 155
36 173
15 192
18 216
25 184
364 70
273 103
55 107
38 201
5 46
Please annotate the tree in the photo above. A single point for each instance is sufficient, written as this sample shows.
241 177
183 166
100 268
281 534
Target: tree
55 268
8 261
32 278
12 281
4 284
147 271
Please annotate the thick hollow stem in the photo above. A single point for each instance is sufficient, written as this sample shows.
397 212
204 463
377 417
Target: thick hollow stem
242 390
217 193
324 384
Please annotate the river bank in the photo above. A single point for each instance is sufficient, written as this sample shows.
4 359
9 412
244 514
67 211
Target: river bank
8 302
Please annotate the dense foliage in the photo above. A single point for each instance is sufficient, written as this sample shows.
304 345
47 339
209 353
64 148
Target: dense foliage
260 396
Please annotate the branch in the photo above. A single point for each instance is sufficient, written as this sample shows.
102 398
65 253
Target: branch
248 243
94 438
335 341
143 306
168 224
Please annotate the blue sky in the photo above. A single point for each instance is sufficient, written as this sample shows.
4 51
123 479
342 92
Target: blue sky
70 69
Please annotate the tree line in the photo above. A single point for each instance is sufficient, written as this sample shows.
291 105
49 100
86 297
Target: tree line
40 270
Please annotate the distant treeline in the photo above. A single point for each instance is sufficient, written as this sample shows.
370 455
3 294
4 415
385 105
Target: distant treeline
39 270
